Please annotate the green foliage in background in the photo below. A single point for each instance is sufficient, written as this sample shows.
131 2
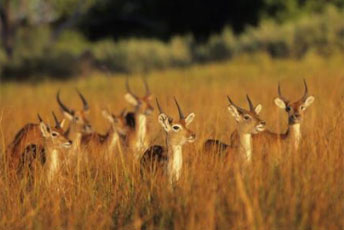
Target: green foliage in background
35 53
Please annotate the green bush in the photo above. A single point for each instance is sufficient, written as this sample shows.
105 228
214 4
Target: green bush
270 37
321 32
136 55
36 53
222 46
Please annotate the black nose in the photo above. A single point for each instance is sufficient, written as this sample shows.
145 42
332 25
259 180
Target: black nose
70 142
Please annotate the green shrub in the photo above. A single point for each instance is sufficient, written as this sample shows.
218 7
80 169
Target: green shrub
222 46
180 51
269 37
36 53
136 55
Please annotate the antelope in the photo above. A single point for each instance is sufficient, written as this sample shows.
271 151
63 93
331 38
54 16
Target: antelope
115 135
79 124
248 124
177 134
137 139
295 111
39 141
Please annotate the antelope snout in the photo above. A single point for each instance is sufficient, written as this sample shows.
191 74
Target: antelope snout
67 144
149 110
261 126
295 118
87 128
192 137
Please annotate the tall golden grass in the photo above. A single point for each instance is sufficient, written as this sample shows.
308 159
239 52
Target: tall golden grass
305 190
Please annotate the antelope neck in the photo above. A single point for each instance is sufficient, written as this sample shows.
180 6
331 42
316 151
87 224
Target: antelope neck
246 145
52 162
112 138
295 134
175 162
141 130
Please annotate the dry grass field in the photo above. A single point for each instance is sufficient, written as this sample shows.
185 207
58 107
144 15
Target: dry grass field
302 191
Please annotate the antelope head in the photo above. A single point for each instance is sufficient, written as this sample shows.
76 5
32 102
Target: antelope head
296 109
177 131
248 120
141 104
118 122
54 136
78 118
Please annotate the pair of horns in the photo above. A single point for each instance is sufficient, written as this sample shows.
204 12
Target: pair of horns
181 114
145 84
57 122
304 97
65 108
251 106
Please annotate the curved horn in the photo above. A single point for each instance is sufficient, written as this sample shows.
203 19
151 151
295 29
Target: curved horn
84 102
305 95
158 105
231 102
63 107
280 93
181 115
57 123
39 118
128 88
146 87
250 103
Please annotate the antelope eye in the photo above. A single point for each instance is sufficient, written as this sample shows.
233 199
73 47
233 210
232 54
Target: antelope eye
247 117
287 108
176 127
54 134
302 107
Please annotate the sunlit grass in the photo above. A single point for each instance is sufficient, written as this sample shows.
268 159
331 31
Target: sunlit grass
304 191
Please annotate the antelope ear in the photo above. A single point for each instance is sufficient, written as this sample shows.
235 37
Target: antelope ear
164 122
309 100
45 130
62 123
258 108
280 103
107 116
68 115
189 119
234 111
131 99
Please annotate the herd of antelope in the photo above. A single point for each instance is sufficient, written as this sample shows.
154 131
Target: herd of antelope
129 132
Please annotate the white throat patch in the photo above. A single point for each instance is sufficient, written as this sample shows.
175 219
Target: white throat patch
141 143
246 145
296 134
113 142
53 164
175 163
